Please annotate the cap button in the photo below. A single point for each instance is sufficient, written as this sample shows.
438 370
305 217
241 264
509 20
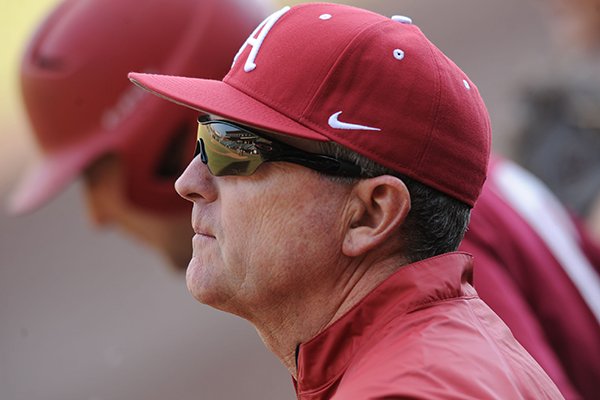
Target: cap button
402 19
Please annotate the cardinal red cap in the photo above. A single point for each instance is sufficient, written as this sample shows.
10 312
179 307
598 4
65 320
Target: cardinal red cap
373 84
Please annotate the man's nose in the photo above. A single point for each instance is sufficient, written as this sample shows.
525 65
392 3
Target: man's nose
196 183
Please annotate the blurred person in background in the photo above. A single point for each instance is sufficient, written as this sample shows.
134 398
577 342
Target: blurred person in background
537 265
560 125
89 122
538 269
559 141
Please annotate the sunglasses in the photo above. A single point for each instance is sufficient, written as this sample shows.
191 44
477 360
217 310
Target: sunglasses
230 149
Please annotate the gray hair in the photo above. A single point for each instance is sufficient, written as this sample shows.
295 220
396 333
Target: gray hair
436 222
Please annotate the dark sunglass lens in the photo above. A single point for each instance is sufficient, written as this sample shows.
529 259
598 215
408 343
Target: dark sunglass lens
197 149
227 149
203 155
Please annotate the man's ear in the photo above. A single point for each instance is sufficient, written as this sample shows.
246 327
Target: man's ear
379 207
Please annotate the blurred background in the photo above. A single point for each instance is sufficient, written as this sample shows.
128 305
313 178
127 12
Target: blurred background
96 316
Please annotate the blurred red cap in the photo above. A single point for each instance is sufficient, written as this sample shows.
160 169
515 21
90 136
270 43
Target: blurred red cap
79 101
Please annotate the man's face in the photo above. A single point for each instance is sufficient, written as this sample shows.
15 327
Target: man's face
263 238
107 204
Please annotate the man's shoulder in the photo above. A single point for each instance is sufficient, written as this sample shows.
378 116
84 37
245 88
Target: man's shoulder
449 352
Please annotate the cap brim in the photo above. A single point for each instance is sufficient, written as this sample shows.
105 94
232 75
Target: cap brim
222 99
52 173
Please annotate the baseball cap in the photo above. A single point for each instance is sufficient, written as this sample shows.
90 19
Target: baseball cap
376 85
81 105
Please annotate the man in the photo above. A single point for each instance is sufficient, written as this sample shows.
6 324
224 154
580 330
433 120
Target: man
337 165
87 119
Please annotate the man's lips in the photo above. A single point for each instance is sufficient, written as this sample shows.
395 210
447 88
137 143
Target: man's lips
203 232
201 241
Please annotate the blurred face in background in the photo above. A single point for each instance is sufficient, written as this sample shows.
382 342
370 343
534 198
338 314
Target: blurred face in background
581 21
107 204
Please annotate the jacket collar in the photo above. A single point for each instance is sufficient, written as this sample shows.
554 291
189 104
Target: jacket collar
323 359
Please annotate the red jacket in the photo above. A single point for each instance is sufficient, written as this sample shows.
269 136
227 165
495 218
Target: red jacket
521 278
421 334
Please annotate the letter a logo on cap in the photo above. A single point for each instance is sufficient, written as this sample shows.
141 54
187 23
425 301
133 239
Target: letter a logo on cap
256 42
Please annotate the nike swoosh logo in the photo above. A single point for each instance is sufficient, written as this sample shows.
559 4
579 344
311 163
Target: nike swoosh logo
335 123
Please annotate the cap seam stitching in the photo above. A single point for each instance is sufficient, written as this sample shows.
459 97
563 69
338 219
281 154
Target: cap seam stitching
435 111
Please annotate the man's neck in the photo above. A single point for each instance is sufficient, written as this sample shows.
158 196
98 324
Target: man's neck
299 322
